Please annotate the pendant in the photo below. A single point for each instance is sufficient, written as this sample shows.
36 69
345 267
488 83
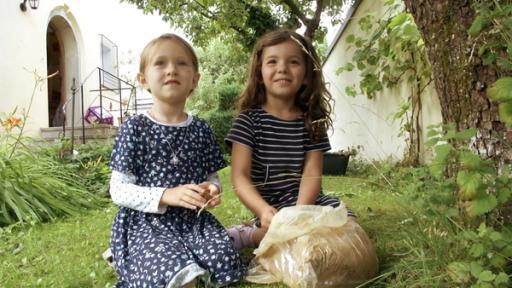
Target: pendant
174 160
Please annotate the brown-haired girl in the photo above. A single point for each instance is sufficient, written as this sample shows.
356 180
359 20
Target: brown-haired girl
164 165
280 135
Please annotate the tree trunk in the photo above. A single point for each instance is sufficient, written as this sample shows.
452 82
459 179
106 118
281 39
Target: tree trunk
460 77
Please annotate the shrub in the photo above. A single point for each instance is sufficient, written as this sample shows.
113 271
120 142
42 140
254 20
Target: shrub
227 97
37 188
220 123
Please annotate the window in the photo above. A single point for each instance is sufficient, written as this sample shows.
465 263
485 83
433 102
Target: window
109 64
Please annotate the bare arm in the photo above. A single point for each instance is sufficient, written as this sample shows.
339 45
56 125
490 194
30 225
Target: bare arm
241 177
311 181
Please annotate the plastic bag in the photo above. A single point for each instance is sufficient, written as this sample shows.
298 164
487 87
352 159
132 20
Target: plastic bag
314 246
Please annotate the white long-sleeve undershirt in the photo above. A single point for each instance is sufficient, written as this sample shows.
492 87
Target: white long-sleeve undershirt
126 193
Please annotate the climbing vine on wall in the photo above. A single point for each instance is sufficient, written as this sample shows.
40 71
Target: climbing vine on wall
391 52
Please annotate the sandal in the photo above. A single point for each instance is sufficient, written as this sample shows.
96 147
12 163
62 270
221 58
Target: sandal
241 236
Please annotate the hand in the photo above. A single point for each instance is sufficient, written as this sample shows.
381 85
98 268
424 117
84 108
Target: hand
186 196
211 194
266 216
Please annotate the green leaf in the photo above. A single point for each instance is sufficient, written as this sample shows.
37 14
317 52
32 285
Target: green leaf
502 278
351 91
469 183
505 110
503 194
432 141
398 20
498 261
469 160
347 67
351 38
465 134
477 250
501 90
486 276
476 269
478 25
495 236
411 32
443 151
481 205
459 272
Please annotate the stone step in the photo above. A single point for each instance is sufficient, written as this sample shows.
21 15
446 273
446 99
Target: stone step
93 132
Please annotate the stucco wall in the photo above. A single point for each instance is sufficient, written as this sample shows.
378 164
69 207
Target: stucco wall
359 121
23 48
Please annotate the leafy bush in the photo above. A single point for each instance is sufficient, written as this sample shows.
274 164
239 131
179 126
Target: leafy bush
37 188
220 119
227 97
89 161
220 123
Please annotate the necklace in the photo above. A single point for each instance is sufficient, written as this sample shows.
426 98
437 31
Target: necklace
174 155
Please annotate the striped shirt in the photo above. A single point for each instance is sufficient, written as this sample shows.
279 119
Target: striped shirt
278 149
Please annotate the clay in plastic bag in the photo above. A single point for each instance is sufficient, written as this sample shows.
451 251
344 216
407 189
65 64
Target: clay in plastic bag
314 246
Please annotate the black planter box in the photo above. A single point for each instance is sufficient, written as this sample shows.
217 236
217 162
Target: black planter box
335 164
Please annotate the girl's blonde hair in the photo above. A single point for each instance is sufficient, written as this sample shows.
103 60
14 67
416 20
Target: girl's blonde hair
144 57
313 98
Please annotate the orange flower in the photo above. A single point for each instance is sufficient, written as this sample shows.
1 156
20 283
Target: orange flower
12 122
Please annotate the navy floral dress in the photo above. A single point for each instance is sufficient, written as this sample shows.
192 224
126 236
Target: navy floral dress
169 249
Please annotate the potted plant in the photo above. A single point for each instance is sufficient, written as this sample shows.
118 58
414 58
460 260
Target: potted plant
335 163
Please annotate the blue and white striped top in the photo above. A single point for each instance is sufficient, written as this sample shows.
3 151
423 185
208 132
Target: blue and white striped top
278 149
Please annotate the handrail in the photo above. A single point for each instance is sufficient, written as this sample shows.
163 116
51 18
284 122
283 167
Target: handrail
101 88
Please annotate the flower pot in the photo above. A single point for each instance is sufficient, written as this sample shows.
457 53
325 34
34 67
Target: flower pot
335 164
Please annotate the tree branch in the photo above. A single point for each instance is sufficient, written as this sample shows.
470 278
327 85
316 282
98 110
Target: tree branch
296 11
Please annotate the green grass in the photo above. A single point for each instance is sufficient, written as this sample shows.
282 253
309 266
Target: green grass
413 244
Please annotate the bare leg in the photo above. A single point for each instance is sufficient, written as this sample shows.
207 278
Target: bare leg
258 234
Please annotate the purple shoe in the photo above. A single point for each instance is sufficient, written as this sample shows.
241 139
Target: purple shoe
241 236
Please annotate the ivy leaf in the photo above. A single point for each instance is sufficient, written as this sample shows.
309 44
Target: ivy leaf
351 38
347 67
501 90
505 110
481 205
478 25
351 91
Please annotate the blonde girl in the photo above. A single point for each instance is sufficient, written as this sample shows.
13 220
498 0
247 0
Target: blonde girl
164 165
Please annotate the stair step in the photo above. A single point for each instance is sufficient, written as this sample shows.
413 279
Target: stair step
96 132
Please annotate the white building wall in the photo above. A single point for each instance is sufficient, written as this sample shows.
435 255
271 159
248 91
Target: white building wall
359 121
23 48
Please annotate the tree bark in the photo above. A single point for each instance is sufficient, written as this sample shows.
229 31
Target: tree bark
459 75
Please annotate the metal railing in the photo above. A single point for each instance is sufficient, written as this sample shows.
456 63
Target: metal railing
122 85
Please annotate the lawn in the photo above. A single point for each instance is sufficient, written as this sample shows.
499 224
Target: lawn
412 242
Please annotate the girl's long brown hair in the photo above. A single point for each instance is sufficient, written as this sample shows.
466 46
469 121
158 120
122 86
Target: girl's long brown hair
313 99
